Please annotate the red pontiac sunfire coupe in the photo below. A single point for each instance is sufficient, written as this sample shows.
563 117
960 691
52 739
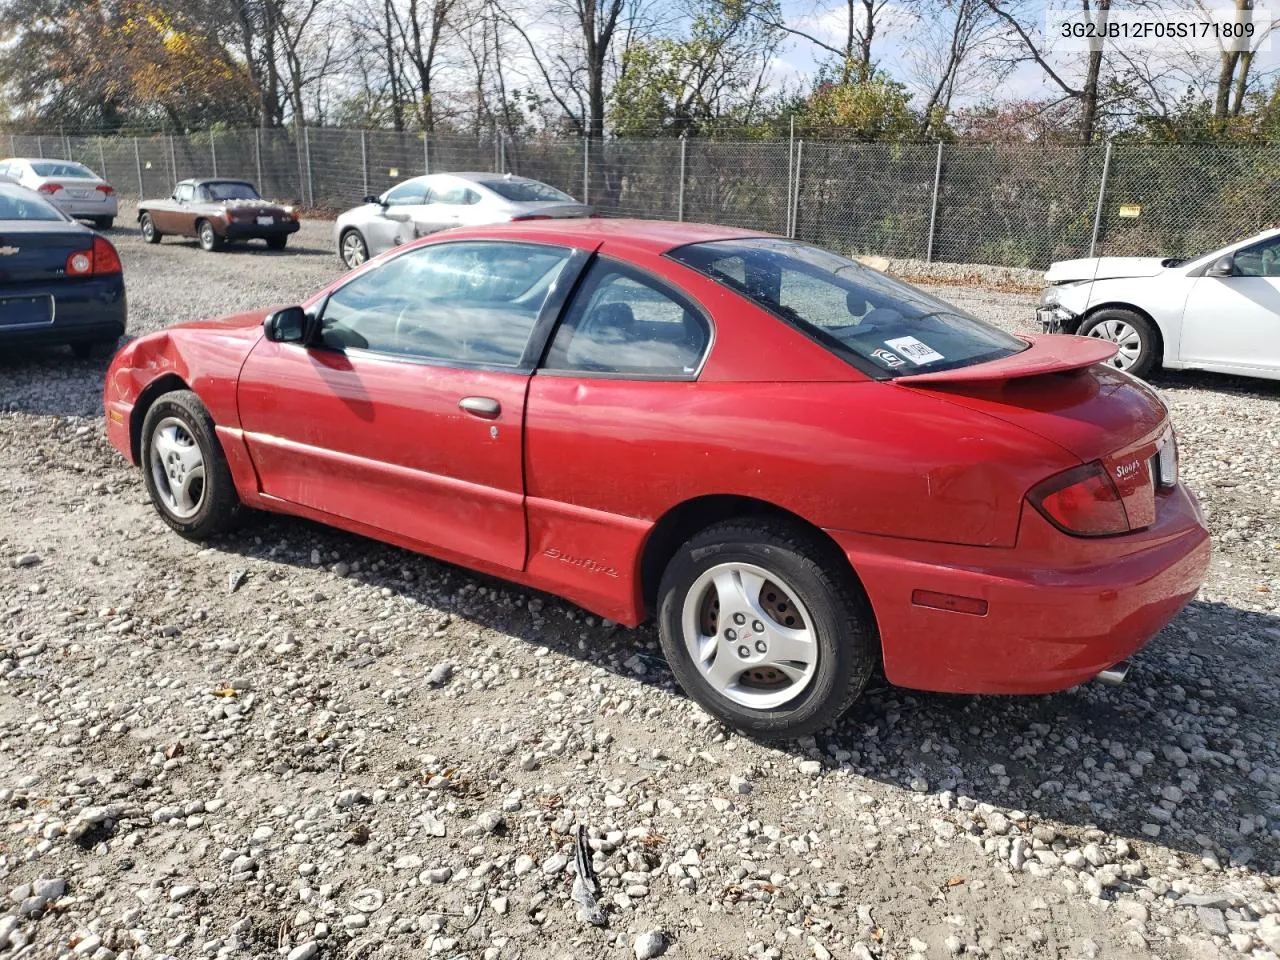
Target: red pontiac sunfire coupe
800 467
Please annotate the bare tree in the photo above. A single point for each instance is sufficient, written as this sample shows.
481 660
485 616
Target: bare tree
952 55
862 21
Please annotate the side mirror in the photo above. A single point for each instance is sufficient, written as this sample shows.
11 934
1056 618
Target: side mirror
373 198
288 325
1222 267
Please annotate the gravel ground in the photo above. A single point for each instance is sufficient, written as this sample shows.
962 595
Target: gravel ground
302 744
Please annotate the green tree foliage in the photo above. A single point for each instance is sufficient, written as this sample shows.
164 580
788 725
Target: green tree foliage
876 108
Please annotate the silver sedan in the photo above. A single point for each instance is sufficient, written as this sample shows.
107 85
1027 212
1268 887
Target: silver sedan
439 201
71 187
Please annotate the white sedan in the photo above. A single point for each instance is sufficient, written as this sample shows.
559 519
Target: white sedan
71 187
439 201
1220 311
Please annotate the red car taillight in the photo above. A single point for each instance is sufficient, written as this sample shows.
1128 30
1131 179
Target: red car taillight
99 260
49 188
105 189
1081 501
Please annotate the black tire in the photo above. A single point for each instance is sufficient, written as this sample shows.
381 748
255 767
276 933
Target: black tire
219 505
210 242
104 223
277 243
350 238
1148 356
848 647
148 228
91 349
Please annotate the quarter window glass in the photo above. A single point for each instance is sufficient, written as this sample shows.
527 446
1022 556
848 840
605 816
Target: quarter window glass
471 303
625 323
185 192
1260 260
407 194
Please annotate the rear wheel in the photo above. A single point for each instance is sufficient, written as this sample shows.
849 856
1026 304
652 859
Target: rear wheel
104 223
209 240
149 231
277 243
764 627
1138 346
184 468
352 249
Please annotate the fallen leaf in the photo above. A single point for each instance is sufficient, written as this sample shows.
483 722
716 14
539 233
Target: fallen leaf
224 692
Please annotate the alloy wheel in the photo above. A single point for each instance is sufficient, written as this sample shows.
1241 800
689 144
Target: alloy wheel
1125 337
177 468
749 635
353 251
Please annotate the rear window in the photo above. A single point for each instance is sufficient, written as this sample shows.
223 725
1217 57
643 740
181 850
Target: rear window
526 191
19 204
61 168
231 190
853 310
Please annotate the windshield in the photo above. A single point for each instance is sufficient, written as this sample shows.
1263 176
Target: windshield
19 204
230 190
526 191
61 168
850 308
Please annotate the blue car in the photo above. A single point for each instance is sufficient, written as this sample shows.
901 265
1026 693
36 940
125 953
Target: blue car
60 283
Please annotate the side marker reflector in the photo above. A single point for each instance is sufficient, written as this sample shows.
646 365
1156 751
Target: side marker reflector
950 602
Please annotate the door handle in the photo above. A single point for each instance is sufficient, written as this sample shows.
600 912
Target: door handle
486 408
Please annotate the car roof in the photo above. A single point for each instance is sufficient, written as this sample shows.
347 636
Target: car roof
650 236
201 181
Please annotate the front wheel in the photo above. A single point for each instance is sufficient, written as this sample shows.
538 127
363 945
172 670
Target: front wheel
184 468
149 231
352 249
766 628
1138 346
209 240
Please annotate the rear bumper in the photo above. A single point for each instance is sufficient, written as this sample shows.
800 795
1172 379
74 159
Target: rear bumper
253 231
93 309
1059 609
89 208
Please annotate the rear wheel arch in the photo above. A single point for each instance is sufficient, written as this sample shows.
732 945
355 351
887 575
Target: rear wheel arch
153 391
685 520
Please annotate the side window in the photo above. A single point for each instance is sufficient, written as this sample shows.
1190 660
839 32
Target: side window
411 194
1260 260
473 302
624 322
454 196
185 192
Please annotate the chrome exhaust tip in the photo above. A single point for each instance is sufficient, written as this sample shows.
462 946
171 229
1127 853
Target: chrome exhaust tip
1114 675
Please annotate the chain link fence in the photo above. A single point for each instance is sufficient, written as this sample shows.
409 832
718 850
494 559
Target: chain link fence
1019 206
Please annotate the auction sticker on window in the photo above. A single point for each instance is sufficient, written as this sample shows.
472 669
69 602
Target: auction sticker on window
915 351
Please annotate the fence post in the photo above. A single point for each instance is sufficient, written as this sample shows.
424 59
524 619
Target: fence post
13 145
933 208
586 169
497 152
791 163
502 153
1102 193
364 164
426 152
137 159
684 145
66 146
102 160
795 207
40 146
311 186
173 159
213 151
257 156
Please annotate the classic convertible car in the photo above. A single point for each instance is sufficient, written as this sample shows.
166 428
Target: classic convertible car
799 466
217 212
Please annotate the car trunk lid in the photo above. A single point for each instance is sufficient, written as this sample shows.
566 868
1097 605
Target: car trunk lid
1092 410
32 250
551 210
76 188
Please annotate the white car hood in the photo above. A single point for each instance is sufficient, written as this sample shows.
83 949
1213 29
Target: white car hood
1103 268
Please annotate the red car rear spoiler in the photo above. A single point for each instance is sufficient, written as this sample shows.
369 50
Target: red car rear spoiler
1045 354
